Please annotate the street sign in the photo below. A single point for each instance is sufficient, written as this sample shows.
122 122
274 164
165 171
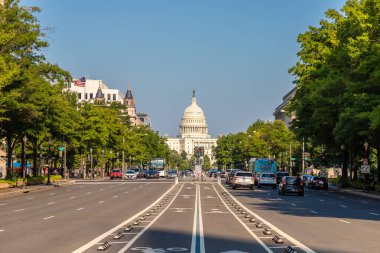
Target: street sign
61 148
365 169
365 161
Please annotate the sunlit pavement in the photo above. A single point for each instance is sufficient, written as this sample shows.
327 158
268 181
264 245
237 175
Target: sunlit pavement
164 216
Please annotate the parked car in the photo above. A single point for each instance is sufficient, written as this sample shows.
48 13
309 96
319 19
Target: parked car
280 174
316 182
223 174
139 172
171 174
267 179
131 174
291 185
152 174
242 179
116 174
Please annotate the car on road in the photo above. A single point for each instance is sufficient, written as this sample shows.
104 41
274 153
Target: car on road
162 173
291 185
243 179
316 182
116 174
130 174
171 173
267 179
213 173
230 176
152 174
305 177
280 174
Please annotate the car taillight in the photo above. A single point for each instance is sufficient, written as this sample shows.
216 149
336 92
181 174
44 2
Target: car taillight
301 182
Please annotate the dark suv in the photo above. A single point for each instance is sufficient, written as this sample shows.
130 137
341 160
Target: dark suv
291 185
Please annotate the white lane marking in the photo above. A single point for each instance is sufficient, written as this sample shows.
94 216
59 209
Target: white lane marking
364 202
313 211
375 214
215 212
268 194
322 200
50 203
293 204
19 210
280 232
79 209
125 192
68 190
198 225
51 193
29 198
115 196
88 193
101 189
73 197
101 202
343 206
2 230
3 204
241 222
342 197
130 243
345 221
50 217
112 230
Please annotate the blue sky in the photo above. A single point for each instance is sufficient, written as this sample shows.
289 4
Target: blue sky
234 53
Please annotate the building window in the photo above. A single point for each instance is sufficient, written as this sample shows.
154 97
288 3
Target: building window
91 96
114 96
85 95
79 95
108 96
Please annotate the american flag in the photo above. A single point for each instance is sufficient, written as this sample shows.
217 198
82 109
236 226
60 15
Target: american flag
80 82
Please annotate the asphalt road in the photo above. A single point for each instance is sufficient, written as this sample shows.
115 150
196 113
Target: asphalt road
161 216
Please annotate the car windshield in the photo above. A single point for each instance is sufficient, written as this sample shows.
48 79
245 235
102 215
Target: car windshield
292 180
316 178
130 172
115 171
267 175
243 174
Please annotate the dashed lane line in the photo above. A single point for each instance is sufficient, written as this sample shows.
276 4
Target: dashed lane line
100 202
293 204
280 232
376 214
2 230
245 226
73 197
50 203
47 218
19 210
130 243
51 193
80 209
343 206
313 212
344 221
3 204
112 230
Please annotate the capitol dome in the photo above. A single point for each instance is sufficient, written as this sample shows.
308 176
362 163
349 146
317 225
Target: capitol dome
193 123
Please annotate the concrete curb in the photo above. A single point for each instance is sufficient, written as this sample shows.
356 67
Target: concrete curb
35 188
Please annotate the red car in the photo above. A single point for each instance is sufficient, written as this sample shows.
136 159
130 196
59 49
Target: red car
116 174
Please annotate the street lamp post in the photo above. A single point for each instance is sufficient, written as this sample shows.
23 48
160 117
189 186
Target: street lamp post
110 159
342 147
122 159
103 162
24 164
49 163
91 167
366 162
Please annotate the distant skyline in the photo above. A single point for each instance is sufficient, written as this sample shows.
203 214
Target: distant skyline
235 54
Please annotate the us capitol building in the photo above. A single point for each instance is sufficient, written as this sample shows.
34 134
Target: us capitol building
193 132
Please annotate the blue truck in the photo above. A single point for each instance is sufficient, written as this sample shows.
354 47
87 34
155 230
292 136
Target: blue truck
262 165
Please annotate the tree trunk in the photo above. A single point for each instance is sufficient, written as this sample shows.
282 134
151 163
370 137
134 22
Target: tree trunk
378 165
35 153
23 164
344 169
9 156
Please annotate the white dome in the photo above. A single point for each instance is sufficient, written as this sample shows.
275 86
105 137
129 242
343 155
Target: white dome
193 123
193 110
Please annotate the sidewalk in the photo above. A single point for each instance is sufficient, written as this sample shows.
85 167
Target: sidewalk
30 188
371 194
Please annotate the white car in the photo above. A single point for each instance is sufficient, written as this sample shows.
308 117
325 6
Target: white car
130 174
162 173
267 179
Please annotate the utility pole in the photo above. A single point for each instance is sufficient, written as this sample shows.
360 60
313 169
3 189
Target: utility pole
64 161
303 155
290 159
122 159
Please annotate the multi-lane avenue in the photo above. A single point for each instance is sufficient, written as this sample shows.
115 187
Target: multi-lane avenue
184 216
